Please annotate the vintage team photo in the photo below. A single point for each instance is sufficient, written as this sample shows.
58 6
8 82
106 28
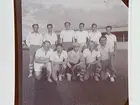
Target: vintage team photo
74 52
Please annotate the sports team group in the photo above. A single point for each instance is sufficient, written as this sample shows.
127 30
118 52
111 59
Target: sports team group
73 55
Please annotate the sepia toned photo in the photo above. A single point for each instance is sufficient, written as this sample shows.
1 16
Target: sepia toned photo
74 52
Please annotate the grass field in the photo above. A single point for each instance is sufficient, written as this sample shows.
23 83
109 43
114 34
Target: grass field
76 93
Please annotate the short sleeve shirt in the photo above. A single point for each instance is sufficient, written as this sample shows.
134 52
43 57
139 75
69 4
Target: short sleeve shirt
111 39
34 39
56 58
67 35
75 57
95 36
41 53
50 37
81 36
91 56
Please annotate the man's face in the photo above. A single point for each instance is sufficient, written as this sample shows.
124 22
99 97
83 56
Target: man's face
67 26
49 28
108 30
91 45
76 48
59 49
103 41
35 28
94 27
46 45
81 27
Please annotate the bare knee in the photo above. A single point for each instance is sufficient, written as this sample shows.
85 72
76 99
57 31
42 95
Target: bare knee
38 75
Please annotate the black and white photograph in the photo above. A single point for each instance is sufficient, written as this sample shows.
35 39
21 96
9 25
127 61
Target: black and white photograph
74 52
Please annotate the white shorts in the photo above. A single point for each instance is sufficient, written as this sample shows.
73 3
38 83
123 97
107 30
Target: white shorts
38 67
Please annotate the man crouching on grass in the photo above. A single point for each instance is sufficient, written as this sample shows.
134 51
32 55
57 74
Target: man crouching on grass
92 59
42 60
76 64
59 62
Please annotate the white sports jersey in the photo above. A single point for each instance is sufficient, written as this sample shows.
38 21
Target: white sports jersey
34 39
41 53
50 37
111 39
67 35
81 36
58 59
95 36
91 56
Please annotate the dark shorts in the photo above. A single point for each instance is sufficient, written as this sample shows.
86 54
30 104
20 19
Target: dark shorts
91 68
33 48
89 71
67 46
68 70
106 64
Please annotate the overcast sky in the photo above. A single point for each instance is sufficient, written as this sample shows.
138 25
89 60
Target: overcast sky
102 12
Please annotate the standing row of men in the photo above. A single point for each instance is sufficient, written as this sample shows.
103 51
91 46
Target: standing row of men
90 51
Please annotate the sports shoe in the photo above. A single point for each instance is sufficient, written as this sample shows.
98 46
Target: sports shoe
50 80
112 79
81 79
69 77
30 75
78 74
107 74
60 78
96 78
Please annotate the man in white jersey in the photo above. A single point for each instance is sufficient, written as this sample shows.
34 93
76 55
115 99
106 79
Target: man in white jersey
67 36
107 69
92 59
59 62
76 62
34 41
50 35
42 60
112 41
95 35
82 36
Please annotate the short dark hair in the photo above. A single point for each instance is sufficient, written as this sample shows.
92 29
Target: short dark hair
49 25
67 22
82 24
94 24
92 41
103 36
59 44
46 41
109 27
34 25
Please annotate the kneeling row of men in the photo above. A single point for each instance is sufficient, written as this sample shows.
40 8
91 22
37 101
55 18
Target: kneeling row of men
91 62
